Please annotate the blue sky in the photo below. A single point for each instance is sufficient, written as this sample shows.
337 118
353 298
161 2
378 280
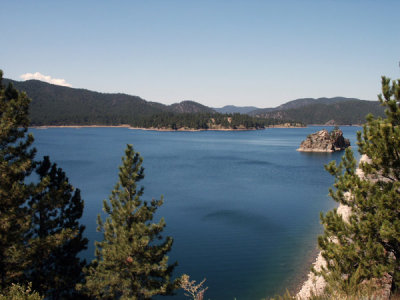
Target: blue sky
215 52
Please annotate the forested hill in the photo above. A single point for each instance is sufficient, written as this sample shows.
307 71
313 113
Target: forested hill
334 111
232 109
297 103
188 106
58 105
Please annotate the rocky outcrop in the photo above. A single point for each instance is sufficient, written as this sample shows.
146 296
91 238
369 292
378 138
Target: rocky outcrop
324 141
315 284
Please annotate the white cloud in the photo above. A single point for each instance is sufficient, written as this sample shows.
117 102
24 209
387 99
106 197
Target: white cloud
46 78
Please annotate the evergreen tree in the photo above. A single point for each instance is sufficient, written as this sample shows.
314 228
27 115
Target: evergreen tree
20 292
16 163
58 237
39 233
366 245
130 263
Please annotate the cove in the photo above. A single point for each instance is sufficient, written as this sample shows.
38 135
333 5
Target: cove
243 207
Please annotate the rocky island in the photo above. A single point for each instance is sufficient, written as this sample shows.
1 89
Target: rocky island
324 141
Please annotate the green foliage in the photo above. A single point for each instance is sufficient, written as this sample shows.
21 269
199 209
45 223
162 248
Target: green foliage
367 245
131 261
335 132
188 106
16 163
57 235
344 112
366 294
57 105
19 292
39 233
202 121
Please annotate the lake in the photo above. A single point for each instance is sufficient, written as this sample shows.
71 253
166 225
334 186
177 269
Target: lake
243 207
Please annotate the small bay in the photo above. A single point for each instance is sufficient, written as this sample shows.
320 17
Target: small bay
243 207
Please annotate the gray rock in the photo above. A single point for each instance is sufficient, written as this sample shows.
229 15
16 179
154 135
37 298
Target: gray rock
324 141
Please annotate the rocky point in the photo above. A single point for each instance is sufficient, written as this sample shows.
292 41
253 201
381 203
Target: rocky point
324 141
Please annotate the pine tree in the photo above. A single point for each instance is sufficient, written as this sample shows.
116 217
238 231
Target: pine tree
58 237
366 245
39 233
16 163
130 263
20 292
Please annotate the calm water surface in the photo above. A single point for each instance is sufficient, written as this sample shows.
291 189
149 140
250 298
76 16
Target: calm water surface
242 207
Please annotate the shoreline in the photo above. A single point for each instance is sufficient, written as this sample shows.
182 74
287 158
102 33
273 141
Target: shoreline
345 125
141 128
316 284
156 129
302 276
80 126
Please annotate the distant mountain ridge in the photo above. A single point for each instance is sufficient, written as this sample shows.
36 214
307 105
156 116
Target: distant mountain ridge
297 103
329 111
232 109
58 105
188 106
340 111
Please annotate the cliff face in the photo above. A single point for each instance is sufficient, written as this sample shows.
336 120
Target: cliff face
324 141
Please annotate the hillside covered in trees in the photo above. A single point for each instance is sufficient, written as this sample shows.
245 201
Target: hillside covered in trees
330 111
205 121
58 105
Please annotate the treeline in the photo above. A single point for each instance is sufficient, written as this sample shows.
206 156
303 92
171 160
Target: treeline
163 120
54 105
203 121
57 105
349 112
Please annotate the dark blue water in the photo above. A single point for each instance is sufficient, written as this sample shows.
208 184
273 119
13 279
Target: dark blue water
243 207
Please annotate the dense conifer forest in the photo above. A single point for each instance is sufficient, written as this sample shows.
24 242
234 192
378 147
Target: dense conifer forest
57 105
204 121
332 111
